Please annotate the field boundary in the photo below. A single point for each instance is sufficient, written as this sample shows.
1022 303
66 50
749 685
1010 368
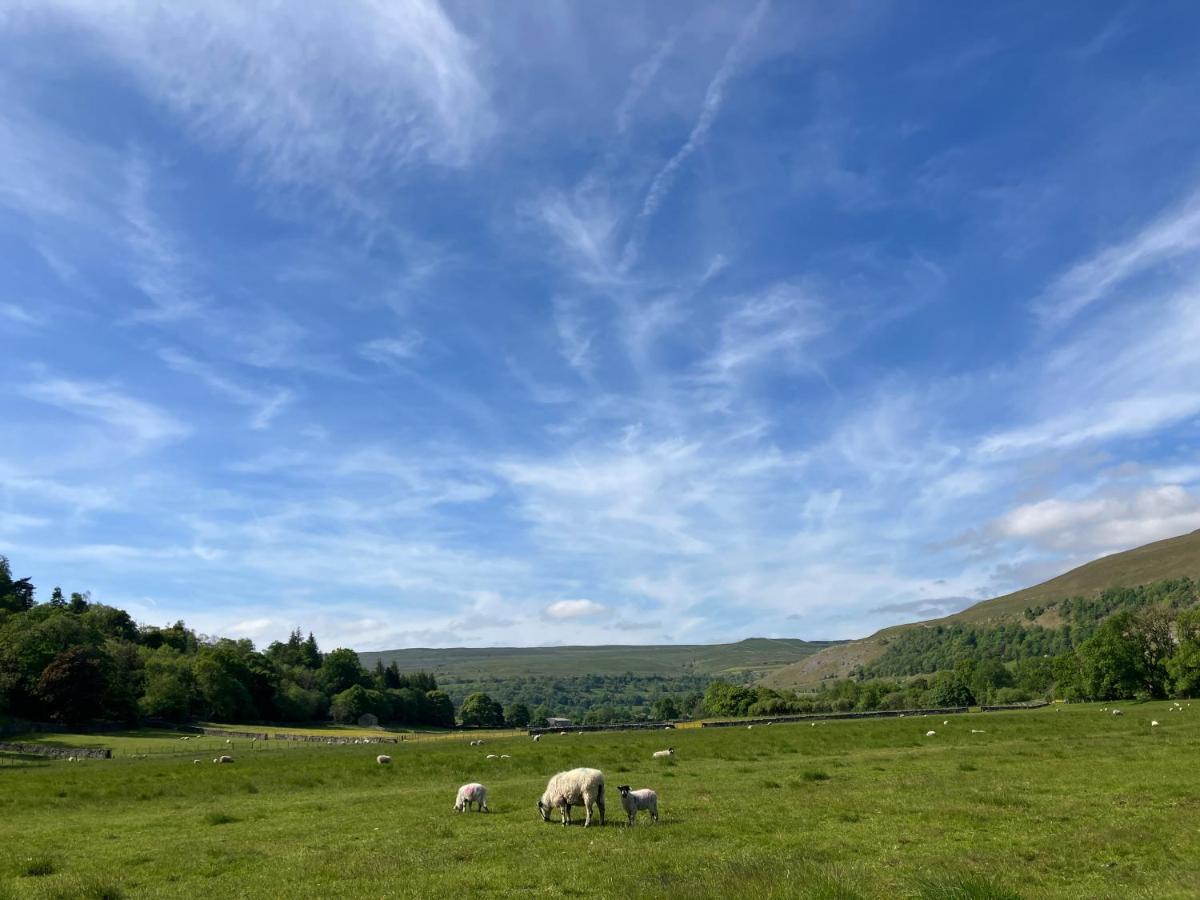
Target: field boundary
55 752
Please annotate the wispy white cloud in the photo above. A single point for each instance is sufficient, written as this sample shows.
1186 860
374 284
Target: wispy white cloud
300 95
1172 235
713 98
641 79
392 350
141 423
264 404
573 609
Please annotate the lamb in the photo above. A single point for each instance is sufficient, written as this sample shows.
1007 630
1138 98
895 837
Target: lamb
1154 723
663 754
471 793
577 787
195 762
930 733
383 759
1117 712
224 759
492 756
632 801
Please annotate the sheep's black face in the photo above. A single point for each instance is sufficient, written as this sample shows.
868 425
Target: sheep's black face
624 789
543 812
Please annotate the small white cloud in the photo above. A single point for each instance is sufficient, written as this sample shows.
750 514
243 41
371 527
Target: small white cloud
391 350
573 609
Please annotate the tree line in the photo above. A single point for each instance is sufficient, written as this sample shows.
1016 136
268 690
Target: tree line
73 660
1124 643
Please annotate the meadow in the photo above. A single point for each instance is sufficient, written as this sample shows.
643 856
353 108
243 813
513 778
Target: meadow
1061 802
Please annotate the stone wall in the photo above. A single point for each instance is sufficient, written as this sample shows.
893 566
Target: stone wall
57 752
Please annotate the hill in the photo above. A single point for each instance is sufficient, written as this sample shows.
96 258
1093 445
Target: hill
753 656
1175 557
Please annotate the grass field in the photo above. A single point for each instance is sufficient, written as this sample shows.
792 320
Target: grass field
1076 803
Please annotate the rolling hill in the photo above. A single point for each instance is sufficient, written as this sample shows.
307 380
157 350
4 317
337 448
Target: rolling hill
752 656
1171 558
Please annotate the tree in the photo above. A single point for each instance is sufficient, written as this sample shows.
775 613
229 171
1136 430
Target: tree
72 686
480 709
170 684
310 654
1184 663
356 701
664 708
57 600
539 716
1112 664
341 671
950 689
439 709
517 715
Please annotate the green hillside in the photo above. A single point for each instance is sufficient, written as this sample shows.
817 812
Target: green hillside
1176 557
754 655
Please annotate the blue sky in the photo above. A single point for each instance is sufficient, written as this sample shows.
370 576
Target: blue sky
422 324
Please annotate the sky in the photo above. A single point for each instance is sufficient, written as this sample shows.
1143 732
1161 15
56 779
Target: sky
427 323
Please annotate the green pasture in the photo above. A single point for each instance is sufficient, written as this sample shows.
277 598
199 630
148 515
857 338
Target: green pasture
1061 802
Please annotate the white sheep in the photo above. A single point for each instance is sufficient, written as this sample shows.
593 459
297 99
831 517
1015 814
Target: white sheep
930 733
632 801
1153 723
195 762
1117 712
562 732
471 793
978 731
663 754
576 787
505 756
70 759
536 738
492 756
945 721
749 726
383 759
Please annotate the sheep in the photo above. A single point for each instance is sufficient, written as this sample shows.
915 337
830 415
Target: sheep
1117 712
930 733
749 726
1153 723
978 731
225 759
195 762
945 721
383 759
505 756
663 754
536 738
577 787
632 801
70 759
471 793
562 732
492 756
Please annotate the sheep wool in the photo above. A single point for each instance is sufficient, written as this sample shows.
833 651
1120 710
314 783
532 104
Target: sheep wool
663 754
471 793
633 801
383 759
575 787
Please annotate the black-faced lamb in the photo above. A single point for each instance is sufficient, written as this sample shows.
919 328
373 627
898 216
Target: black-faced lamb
576 787
632 801
383 759
663 754
471 793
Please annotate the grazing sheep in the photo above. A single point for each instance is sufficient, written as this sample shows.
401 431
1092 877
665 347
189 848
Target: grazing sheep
225 759
930 733
1117 712
945 721
978 731
195 762
749 726
1153 723
536 738
577 787
663 754
562 732
505 756
383 759
492 756
471 793
70 759
632 801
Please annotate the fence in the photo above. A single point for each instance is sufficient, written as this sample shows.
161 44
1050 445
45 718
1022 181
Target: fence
615 726
808 717
1032 704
